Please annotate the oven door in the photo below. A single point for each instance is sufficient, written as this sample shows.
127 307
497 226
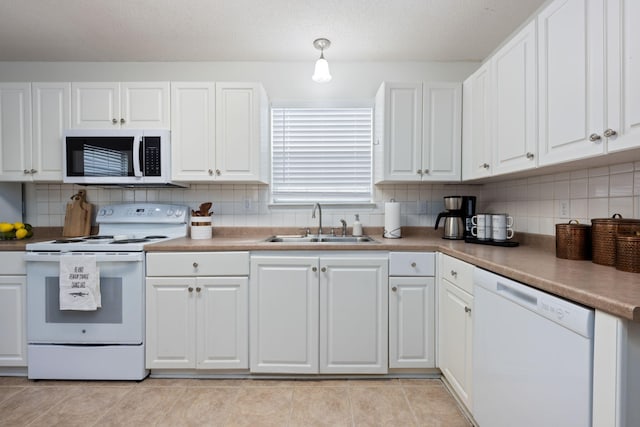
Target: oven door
120 320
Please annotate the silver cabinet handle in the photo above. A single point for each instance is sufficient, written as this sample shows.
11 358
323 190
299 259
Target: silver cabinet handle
114 121
33 171
190 289
485 165
25 171
195 265
454 273
122 121
394 289
609 133
198 289
419 172
467 309
323 269
218 172
314 269
594 137
413 264
426 171
530 156
210 171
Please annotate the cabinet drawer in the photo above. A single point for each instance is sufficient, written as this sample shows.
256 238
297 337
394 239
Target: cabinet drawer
13 263
457 272
412 264
198 264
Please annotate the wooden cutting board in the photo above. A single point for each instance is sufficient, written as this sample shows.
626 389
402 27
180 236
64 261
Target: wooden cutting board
77 219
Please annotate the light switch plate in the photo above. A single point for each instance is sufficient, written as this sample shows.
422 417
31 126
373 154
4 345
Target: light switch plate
563 209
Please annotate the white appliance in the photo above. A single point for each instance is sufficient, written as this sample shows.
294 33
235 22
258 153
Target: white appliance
107 343
122 157
532 356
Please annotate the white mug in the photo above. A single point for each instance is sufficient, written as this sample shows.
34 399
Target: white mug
481 226
501 227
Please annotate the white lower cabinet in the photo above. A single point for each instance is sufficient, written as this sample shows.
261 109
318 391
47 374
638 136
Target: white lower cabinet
455 304
412 310
318 314
13 310
198 322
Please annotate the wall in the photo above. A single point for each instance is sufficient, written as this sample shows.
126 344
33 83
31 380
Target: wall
592 193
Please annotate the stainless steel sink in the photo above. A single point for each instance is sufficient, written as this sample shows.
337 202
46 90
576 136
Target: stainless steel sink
320 239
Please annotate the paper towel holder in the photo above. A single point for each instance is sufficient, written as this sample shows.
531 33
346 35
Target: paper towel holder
392 228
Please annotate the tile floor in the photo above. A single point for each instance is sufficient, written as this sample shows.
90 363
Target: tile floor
182 402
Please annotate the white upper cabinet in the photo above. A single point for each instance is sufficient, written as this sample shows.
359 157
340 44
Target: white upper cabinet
219 132
112 105
15 131
417 134
476 158
571 80
514 124
622 52
51 116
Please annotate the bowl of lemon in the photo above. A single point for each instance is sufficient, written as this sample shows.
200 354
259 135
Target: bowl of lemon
17 230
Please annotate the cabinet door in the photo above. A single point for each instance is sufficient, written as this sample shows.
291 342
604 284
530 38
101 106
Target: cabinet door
95 105
170 323
353 315
222 322
476 159
623 74
402 138
145 105
514 88
412 322
441 131
51 116
238 131
13 321
455 338
192 131
283 303
15 131
571 80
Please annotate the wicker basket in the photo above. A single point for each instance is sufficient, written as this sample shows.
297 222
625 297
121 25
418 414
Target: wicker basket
603 236
628 252
573 241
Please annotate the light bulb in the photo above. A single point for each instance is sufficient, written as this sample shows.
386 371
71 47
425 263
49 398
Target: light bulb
321 73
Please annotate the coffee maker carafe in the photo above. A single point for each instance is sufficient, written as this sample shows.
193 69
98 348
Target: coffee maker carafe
454 227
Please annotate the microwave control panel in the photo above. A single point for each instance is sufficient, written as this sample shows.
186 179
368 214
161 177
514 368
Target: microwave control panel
152 158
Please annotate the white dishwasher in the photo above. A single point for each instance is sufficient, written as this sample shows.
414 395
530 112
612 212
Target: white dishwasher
532 356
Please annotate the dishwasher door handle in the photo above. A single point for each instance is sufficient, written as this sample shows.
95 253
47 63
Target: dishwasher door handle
517 295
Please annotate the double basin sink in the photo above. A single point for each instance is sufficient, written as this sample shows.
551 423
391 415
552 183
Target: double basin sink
320 239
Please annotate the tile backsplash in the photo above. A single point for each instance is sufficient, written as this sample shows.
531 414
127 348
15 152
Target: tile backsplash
536 203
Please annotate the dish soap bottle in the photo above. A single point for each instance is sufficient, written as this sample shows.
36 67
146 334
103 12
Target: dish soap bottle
357 227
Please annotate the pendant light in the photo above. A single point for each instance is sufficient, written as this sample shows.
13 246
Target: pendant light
321 73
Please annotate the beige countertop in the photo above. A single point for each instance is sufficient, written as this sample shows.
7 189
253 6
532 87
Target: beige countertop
533 262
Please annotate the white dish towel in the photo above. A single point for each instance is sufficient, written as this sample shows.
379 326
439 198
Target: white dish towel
79 283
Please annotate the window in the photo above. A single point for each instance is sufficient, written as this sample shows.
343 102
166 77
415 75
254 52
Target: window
321 155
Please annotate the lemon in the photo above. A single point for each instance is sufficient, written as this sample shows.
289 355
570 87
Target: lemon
21 233
5 226
18 225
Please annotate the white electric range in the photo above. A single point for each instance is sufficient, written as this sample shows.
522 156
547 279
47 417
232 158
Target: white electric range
107 343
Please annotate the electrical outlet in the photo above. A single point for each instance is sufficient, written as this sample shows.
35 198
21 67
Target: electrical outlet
247 204
563 209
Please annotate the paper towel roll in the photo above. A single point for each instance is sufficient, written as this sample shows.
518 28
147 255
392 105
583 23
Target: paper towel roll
392 220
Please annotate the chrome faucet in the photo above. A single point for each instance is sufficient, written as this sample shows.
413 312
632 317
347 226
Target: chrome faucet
313 215
344 227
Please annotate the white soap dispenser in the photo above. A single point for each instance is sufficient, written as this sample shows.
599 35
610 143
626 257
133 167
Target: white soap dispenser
357 227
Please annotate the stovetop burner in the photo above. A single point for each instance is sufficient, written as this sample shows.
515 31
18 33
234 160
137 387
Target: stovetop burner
158 236
68 241
98 237
124 241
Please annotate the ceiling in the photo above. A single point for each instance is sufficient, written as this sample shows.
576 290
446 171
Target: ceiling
256 30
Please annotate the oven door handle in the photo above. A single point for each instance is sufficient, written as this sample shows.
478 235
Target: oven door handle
100 256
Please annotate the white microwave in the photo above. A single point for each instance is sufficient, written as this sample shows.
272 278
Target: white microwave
122 157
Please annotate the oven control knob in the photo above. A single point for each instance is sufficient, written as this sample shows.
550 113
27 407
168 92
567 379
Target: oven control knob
169 212
110 212
102 212
178 212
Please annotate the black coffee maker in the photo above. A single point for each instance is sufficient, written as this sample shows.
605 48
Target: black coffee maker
468 210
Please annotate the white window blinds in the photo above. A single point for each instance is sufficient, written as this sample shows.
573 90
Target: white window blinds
321 155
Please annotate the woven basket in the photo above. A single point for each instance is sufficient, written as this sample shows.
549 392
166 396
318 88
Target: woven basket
628 252
603 236
573 241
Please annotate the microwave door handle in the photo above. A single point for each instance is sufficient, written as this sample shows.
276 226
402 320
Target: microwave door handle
136 157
